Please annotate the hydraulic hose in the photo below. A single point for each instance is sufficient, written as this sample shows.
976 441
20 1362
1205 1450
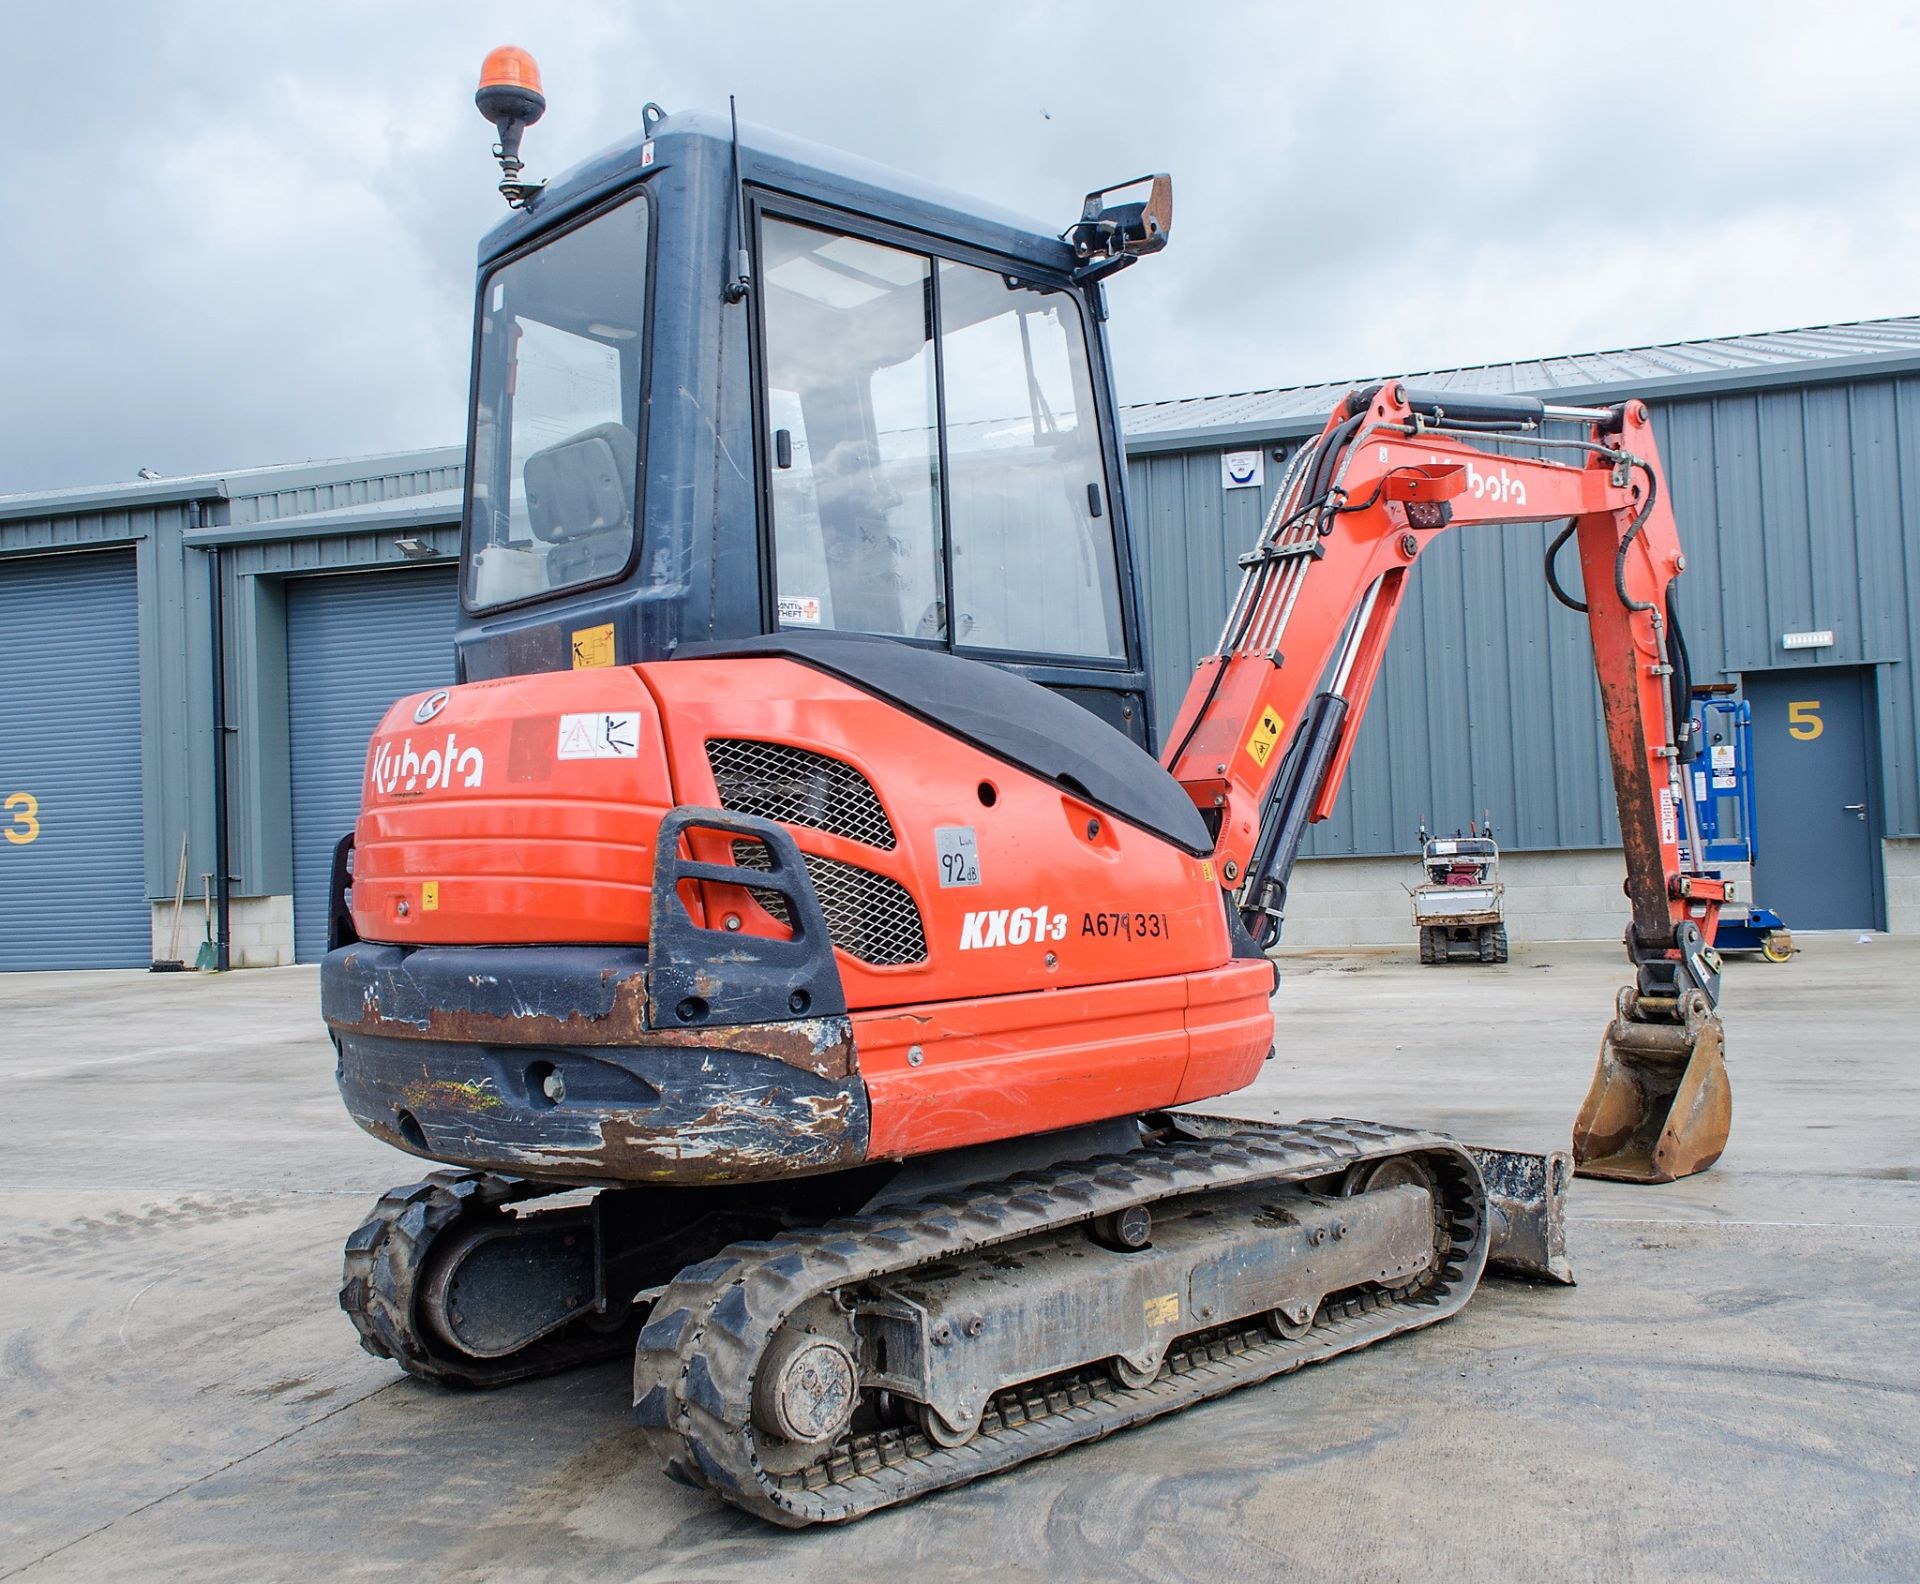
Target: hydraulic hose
1325 465
1553 573
1619 555
1680 680
1633 533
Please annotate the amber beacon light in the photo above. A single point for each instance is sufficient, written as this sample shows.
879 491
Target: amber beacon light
509 96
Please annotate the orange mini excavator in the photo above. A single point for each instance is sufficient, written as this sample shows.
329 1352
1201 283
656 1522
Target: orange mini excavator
783 926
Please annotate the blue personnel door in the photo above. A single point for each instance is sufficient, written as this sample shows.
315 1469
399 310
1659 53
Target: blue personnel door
73 888
354 645
1816 786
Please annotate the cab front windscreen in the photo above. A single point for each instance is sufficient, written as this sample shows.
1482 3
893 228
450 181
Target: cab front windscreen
555 482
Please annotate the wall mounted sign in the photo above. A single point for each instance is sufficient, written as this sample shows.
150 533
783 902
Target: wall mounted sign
1242 469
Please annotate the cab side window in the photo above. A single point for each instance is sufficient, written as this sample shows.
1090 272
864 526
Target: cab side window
1033 558
862 415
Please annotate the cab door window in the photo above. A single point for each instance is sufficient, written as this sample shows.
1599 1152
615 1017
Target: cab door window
855 440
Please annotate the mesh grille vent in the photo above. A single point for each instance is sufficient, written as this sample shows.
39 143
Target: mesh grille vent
797 787
868 915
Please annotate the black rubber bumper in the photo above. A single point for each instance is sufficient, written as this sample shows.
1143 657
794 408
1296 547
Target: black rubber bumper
540 1061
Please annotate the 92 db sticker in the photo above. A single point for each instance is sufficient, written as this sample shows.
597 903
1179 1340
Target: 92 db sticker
958 853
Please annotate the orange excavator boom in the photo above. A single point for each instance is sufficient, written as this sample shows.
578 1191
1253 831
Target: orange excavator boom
1265 734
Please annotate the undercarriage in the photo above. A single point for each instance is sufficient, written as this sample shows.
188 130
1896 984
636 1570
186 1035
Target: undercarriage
859 1339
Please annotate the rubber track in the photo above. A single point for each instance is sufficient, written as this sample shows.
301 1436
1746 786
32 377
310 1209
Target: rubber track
380 1282
693 1368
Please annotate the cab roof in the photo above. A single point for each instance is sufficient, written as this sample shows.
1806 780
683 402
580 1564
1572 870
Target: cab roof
773 160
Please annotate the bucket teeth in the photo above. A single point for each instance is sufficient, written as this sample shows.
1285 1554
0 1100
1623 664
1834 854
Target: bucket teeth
1660 1105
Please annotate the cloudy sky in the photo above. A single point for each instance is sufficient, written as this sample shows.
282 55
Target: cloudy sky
234 233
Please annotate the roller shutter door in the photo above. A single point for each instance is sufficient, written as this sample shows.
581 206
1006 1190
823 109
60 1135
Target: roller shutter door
72 859
354 645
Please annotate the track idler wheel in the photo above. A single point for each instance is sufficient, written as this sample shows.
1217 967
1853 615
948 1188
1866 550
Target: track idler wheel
806 1387
450 1286
1660 1106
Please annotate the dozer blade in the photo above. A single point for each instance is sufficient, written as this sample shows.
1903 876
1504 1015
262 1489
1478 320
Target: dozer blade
1660 1105
1527 1208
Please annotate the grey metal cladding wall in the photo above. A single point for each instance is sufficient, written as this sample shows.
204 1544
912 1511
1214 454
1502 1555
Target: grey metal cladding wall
71 871
1187 533
1799 509
1486 705
30 534
354 645
257 657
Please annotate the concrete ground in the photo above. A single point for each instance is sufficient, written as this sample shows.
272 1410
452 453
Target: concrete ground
1733 1391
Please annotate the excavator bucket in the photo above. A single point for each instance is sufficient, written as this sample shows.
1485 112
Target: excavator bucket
1660 1104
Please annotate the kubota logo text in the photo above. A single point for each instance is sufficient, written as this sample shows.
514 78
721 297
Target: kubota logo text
407 770
1501 488
1011 927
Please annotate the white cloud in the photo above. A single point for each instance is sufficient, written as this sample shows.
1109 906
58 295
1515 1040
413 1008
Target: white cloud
232 233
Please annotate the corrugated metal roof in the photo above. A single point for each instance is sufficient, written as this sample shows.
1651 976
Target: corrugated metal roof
428 509
1682 367
233 484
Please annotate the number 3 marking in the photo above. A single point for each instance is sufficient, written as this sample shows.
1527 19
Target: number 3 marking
25 809
1803 719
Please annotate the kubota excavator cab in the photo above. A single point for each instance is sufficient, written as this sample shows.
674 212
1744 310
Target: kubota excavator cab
879 409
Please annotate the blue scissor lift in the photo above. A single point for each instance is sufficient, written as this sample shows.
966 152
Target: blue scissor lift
1723 801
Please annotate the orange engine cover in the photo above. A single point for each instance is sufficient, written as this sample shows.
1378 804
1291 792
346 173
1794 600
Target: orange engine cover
526 811
522 810
1014 958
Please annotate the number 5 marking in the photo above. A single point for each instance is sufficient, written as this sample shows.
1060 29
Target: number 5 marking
25 809
1803 719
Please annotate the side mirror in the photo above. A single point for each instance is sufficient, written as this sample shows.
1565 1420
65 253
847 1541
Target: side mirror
1110 233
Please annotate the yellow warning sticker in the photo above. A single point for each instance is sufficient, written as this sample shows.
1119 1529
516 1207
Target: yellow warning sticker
429 895
593 646
1206 868
1164 1310
1266 733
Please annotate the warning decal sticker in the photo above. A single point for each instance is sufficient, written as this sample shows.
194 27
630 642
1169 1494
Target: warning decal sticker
801 608
593 647
1266 733
608 735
